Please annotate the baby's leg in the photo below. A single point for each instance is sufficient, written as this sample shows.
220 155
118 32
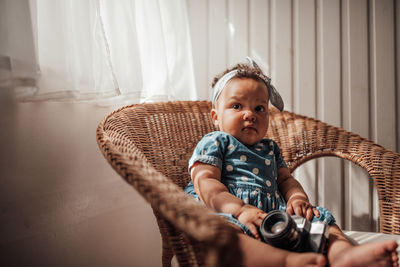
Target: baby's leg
257 253
342 253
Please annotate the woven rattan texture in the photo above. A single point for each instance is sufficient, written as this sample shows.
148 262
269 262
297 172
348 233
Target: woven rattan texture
149 146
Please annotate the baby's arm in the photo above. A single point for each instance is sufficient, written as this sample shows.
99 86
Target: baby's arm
207 184
296 198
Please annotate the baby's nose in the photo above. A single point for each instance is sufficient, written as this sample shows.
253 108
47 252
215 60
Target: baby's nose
248 115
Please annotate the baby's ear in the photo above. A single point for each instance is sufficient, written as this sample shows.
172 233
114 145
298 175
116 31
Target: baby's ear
214 116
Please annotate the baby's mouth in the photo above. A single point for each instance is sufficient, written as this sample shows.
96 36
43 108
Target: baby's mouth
249 129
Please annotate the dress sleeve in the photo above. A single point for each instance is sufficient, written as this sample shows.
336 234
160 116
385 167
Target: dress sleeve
209 150
280 163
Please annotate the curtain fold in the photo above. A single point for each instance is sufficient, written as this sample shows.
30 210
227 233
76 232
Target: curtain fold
97 49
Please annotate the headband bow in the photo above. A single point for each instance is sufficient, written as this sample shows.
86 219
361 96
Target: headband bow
274 97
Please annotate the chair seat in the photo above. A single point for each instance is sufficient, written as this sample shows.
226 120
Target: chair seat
358 237
368 237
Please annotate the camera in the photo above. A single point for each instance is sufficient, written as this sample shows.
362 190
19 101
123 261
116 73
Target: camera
294 233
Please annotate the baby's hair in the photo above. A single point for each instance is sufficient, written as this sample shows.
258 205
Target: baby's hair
244 71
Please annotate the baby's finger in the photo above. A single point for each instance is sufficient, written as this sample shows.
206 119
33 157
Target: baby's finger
309 214
316 212
304 210
263 215
258 221
289 210
253 230
298 211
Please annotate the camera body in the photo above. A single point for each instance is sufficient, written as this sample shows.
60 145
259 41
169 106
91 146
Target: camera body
294 233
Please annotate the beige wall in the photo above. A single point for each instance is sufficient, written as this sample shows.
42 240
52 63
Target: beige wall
61 203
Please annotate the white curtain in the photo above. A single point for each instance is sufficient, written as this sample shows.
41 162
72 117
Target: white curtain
137 50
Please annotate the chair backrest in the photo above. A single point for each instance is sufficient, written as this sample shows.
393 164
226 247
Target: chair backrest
166 134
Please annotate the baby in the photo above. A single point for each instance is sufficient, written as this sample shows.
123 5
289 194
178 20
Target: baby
242 176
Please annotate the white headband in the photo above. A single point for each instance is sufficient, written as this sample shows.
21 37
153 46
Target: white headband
274 97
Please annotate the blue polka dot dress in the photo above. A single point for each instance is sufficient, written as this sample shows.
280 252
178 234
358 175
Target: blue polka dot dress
248 172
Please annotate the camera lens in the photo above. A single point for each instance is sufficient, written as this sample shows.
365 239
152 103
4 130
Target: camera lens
279 230
278 227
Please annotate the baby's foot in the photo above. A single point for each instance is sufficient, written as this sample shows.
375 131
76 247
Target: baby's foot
305 259
371 254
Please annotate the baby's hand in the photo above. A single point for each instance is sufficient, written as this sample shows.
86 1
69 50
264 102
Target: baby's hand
300 206
251 217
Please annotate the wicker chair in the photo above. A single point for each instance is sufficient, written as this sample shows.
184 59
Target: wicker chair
149 146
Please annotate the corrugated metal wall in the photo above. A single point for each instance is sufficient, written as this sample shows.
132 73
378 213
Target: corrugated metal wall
330 59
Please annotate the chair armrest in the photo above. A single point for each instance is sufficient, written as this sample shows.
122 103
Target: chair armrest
307 138
195 221
383 166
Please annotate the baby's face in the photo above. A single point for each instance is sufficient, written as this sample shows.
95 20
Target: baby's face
242 110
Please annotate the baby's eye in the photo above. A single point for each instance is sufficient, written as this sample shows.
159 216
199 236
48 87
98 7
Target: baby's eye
236 106
260 109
